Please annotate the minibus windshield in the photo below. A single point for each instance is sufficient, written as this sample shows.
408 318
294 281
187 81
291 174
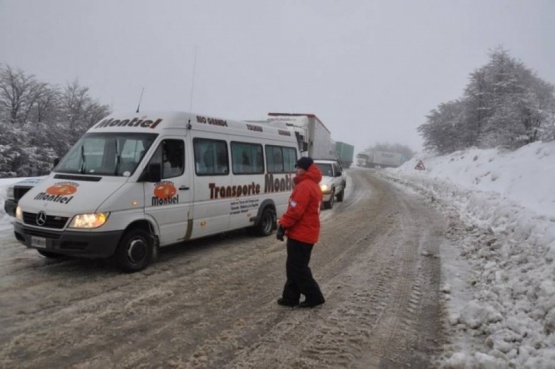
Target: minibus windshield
108 154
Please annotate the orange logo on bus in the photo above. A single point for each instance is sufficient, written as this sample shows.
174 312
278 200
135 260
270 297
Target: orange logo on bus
62 189
165 191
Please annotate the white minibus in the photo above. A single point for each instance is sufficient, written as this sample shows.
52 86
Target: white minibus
139 181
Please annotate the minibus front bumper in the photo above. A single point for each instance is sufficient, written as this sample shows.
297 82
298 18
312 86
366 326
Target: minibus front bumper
72 243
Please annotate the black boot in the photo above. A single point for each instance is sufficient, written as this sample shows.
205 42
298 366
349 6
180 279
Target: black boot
310 304
284 302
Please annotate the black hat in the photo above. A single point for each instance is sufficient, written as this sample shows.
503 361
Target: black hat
304 162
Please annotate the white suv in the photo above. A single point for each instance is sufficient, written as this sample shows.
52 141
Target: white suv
333 181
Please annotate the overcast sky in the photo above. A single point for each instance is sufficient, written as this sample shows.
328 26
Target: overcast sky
370 70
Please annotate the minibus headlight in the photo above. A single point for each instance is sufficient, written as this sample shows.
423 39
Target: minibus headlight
324 188
19 214
93 220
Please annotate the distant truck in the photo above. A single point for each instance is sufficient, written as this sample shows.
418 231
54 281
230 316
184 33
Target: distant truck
362 160
380 159
313 137
344 153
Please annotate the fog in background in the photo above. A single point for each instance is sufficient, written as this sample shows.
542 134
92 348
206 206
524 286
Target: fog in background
370 70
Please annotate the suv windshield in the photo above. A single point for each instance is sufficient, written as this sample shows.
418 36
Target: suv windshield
112 154
325 169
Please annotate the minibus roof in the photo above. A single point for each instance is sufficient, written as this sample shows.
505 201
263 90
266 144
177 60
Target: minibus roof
158 121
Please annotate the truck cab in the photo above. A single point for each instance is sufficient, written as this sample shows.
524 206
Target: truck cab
333 181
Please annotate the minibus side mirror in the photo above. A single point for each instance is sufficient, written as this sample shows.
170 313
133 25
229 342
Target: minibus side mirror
152 173
155 171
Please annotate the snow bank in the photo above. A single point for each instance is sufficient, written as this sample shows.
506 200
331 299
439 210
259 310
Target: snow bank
507 200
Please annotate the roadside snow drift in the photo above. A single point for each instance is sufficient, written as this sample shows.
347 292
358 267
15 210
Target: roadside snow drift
500 283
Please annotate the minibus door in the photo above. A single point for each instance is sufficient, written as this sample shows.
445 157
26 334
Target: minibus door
169 201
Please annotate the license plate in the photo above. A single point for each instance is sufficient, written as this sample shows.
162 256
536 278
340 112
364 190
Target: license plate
38 242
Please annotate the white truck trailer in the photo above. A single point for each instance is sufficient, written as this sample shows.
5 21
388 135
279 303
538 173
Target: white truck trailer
313 136
384 159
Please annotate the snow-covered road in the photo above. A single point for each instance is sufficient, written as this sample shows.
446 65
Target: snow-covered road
212 303
497 286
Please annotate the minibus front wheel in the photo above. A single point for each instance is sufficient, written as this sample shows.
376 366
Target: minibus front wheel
134 251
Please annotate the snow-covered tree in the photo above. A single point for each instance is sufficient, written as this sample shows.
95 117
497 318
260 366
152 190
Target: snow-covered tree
517 102
443 132
79 110
40 122
18 93
477 108
47 104
504 105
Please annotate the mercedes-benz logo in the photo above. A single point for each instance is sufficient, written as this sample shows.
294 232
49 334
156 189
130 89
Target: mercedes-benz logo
41 218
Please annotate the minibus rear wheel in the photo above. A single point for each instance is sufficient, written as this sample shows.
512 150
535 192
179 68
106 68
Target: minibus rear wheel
266 224
134 251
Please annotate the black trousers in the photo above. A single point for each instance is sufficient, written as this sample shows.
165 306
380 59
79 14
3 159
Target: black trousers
299 276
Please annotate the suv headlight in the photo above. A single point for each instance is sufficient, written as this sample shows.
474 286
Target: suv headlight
19 214
324 187
93 220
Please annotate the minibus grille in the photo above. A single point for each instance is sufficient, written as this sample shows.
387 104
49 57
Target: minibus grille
46 221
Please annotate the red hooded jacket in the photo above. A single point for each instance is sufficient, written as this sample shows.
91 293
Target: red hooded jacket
302 218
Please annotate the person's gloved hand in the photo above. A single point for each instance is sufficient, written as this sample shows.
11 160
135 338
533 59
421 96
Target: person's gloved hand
280 233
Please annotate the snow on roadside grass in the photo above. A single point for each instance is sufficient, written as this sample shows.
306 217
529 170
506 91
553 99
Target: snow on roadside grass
509 319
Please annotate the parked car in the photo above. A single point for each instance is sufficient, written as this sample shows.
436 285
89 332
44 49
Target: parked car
333 181
16 192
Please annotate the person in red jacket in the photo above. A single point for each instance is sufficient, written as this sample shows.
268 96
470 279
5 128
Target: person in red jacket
301 225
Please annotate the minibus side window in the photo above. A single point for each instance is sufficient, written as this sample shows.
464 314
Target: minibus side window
211 157
280 159
247 158
289 159
274 159
170 154
132 152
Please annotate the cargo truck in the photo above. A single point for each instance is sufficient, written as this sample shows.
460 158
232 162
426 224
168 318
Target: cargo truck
362 160
312 135
344 153
380 159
